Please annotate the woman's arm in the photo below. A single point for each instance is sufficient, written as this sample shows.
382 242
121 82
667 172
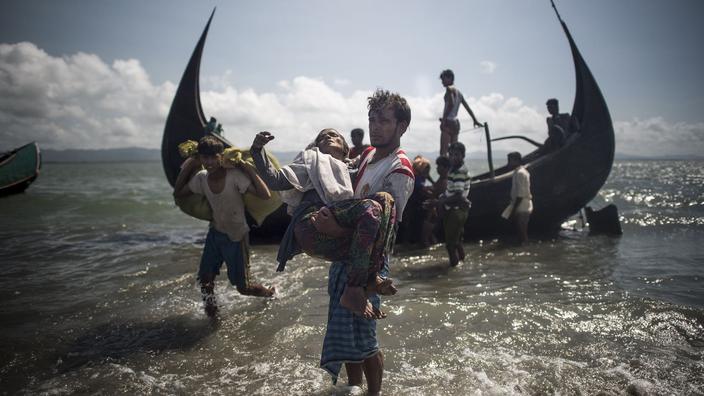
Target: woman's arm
273 178
258 187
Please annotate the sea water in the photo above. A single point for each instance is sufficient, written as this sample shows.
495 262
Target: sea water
98 296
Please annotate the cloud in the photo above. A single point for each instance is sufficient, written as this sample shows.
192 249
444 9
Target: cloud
342 82
487 67
80 101
657 137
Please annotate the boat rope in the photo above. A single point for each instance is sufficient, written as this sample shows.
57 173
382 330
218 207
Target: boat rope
472 129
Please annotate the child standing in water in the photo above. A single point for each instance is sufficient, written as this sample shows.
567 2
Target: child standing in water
454 203
228 233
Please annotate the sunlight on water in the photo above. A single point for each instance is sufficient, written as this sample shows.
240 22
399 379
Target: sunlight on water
99 295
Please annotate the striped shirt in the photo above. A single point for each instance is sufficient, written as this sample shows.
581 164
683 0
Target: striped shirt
392 174
458 181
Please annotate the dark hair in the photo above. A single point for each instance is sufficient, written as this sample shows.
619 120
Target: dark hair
345 146
209 145
514 155
457 146
449 74
552 100
383 98
442 161
357 130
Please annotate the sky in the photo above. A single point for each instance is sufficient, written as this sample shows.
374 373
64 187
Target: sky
102 74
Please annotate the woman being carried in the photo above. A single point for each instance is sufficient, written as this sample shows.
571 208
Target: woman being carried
318 178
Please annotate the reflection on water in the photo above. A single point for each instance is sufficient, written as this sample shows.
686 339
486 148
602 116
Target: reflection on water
98 296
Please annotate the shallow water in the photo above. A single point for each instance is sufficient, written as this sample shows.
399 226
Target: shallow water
98 297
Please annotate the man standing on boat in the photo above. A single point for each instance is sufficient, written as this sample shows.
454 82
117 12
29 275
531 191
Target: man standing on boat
564 121
351 339
449 123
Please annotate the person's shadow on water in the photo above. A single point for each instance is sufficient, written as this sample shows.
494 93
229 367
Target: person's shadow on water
119 340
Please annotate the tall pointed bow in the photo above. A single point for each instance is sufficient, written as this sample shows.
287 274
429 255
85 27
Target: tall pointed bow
596 126
573 176
562 181
186 120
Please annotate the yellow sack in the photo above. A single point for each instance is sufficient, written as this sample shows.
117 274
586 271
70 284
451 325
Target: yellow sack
197 205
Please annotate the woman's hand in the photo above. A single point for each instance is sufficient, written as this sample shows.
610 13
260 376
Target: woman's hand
261 139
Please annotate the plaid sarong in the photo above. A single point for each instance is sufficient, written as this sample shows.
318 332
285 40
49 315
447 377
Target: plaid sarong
349 338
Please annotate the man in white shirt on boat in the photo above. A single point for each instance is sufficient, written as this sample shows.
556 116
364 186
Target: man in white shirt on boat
521 205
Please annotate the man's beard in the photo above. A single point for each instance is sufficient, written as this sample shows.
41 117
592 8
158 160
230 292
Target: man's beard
388 143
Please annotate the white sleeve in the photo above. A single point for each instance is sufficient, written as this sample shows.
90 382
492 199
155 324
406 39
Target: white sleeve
400 187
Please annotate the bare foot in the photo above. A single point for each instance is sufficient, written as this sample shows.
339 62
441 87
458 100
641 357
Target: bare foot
258 291
382 286
354 299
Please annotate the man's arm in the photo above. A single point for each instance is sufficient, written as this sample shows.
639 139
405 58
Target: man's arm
189 168
471 113
257 187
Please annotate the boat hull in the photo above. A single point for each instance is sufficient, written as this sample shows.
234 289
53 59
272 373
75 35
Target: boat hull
19 169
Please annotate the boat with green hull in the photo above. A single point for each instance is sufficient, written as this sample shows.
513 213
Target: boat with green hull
19 168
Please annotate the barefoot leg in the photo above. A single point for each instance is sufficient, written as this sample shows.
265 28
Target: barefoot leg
354 374
257 290
374 371
207 292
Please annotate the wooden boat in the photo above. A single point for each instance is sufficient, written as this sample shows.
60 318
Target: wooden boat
563 181
19 168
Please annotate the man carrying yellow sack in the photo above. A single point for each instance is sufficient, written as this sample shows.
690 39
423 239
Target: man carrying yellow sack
227 240
197 206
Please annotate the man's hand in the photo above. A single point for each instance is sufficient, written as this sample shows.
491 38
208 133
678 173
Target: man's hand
324 221
429 203
190 164
261 139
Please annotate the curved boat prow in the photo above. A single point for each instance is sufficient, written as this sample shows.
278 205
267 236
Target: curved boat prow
563 181
186 120
589 104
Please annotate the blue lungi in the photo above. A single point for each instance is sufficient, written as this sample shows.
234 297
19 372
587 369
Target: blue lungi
349 338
